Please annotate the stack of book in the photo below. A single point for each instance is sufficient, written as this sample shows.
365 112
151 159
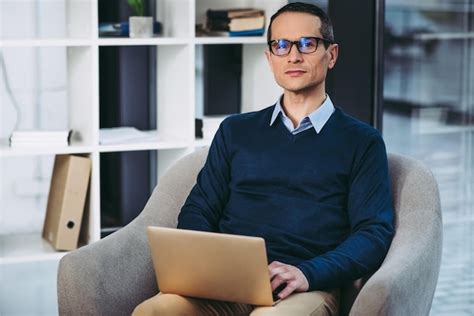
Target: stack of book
35 138
210 125
236 22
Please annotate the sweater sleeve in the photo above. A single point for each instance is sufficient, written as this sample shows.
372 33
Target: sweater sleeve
203 207
370 214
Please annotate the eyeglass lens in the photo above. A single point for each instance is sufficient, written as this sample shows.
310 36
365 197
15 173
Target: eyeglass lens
305 45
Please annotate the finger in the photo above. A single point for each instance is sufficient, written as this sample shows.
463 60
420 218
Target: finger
277 270
275 264
282 278
277 283
290 288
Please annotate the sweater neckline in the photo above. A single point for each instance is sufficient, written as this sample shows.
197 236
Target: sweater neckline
309 131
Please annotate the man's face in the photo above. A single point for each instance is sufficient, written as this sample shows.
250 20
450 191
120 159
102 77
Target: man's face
299 72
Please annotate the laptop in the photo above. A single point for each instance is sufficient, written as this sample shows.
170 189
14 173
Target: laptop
211 265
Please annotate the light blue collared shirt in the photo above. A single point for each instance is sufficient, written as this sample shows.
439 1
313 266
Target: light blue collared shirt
316 119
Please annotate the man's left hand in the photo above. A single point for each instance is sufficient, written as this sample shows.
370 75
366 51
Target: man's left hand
281 273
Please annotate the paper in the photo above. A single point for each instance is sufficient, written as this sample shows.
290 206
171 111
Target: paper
119 135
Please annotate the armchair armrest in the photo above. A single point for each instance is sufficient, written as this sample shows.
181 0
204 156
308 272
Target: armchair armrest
406 281
113 275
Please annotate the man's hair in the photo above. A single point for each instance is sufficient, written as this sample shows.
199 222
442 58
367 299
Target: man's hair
326 24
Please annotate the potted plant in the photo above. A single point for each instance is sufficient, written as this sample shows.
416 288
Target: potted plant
140 25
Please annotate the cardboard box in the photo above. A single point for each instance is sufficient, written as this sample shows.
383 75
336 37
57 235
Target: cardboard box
66 201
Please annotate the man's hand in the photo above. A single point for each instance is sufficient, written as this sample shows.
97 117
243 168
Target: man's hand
281 273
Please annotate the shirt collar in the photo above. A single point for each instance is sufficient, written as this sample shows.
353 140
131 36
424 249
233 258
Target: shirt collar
318 118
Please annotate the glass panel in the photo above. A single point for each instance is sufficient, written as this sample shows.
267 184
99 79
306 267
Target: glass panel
429 115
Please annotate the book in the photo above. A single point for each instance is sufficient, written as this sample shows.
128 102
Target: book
233 13
237 24
37 138
27 144
235 21
257 32
244 24
39 134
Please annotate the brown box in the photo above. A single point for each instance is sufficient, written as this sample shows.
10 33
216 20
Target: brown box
66 201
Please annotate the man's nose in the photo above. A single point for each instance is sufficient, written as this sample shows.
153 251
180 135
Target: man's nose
294 55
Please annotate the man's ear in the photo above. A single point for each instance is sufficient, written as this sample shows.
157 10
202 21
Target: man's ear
269 59
333 53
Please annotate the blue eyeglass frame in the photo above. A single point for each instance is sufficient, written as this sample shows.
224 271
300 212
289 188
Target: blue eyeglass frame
299 43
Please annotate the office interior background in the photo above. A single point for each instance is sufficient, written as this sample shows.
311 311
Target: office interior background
416 85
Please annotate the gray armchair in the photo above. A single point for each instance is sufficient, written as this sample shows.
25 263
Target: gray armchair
112 276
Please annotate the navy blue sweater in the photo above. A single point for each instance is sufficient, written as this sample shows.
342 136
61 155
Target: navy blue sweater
321 201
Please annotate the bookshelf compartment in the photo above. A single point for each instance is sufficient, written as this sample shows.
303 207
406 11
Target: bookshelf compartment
50 88
147 88
24 193
258 88
175 16
175 92
46 19
268 6
126 182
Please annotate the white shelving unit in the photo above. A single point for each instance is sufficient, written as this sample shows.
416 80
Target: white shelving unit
78 36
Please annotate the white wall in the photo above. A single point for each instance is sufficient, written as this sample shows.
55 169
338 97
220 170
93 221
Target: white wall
37 78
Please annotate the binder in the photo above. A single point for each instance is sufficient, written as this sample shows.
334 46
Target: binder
66 201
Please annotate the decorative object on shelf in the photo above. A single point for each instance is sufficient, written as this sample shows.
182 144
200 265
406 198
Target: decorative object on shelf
40 138
235 22
66 201
122 29
140 25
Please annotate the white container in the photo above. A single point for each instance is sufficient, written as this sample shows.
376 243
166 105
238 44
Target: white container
141 26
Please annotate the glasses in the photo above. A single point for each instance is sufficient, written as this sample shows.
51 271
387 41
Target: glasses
305 45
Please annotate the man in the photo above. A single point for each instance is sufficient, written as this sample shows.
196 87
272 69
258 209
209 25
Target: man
302 174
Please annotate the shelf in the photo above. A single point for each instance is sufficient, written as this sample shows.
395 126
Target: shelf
26 248
143 146
60 42
408 5
444 36
6 151
142 140
231 40
431 130
160 143
126 41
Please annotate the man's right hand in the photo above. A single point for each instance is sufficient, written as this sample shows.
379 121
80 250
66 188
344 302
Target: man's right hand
281 273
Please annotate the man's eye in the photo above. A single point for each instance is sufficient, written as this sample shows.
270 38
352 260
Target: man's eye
282 44
307 43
